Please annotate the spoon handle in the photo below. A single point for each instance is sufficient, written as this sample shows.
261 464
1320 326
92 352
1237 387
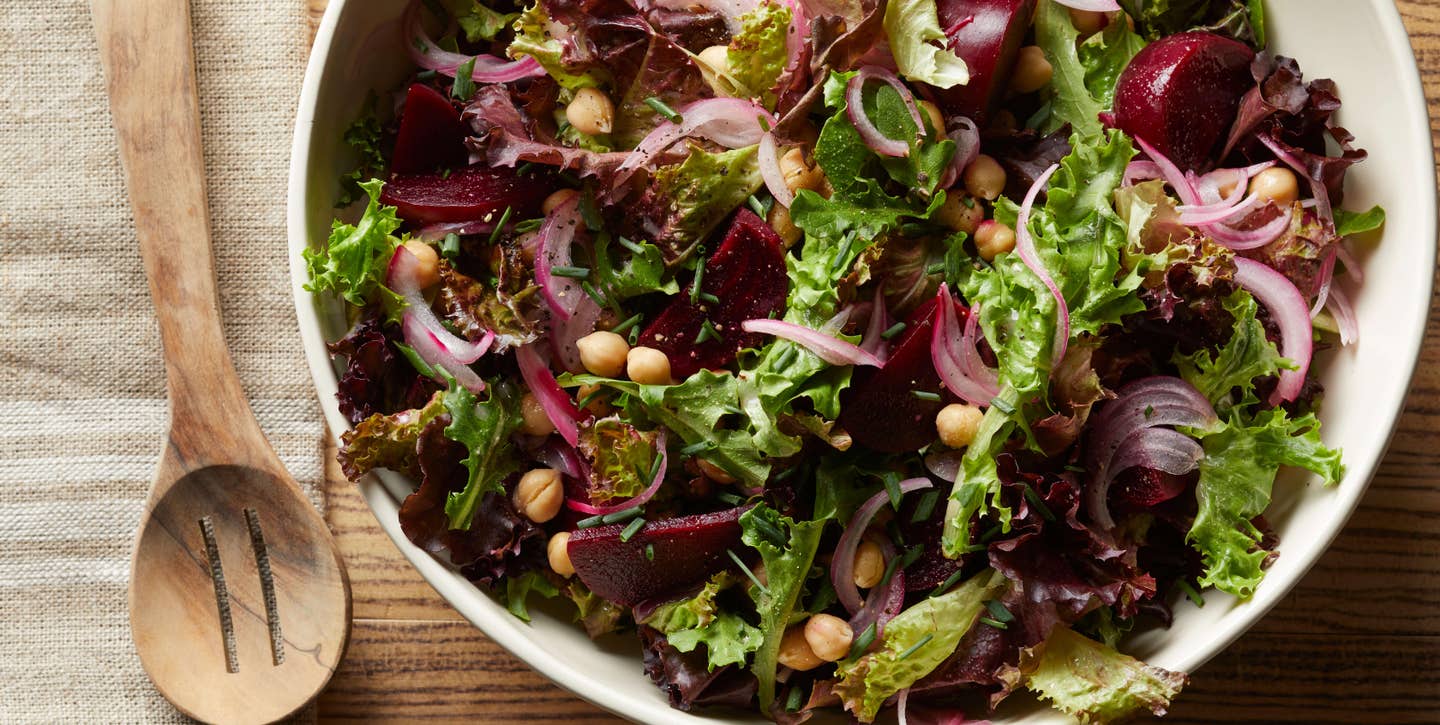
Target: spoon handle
145 48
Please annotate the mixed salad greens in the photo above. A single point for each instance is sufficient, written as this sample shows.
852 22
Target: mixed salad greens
853 353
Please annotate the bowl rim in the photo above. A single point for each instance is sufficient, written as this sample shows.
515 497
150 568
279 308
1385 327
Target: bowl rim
496 623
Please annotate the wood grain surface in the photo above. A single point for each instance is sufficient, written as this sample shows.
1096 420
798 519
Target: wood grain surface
1357 641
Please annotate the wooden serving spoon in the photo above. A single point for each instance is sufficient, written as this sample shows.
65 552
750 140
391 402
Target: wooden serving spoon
239 601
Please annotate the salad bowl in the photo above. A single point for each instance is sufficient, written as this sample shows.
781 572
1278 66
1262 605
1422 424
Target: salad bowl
358 50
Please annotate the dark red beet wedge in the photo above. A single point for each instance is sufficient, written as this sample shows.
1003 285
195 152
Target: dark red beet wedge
688 550
466 195
880 410
1181 95
1141 488
431 137
747 274
988 41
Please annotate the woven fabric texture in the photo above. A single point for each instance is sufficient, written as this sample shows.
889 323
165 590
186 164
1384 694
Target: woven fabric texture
82 396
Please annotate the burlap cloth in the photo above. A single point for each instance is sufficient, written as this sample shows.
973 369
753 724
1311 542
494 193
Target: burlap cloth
82 397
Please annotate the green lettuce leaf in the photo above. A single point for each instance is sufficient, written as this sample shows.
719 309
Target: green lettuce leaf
620 458
787 565
916 641
1070 98
757 55
363 138
519 588
918 44
1094 683
684 201
1243 20
637 271
478 22
598 615
387 441
1236 478
852 166
1349 223
1248 355
532 38
354 261
484 429
689 623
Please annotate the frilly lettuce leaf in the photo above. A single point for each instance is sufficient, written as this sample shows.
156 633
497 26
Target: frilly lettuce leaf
354 261
598 615
519 588
787 565
1085 73
688 623
1236 478
918 43
1094 683
533 38
640 271
620 458
757 53
478 22
1248 355
916 641
484 428
387 441
683 202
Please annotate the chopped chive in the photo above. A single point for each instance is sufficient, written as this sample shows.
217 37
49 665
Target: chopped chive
892 489
926 395
634 335
730 498
445 174
999 612
894 330
890 568
464 86
994 623
1003 406
781 476
863 642
973 548
990 534
912 649
593 293
950 581
769 531
1074 468
663 109
764 122
618 516
748 574
935 268
1149 411
588 399
1038 503
450 246
500 225
589 214
425 75
629 322
524 168
562 128
756 206
912 555
708 332
655 467
786 355
632 246
591 522
561 270
697 448
842 256
795 699
631 529
650 552
695 286
707 297
969 201
1191 593
925 507
529 225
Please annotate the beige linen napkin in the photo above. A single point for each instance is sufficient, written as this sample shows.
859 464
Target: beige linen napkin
82 398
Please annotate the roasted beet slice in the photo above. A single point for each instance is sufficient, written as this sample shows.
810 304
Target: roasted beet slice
687 551
989 37
431 137
1181 95
747 274
466 195
880 410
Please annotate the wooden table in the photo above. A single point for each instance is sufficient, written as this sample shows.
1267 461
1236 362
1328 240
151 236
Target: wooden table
1357 641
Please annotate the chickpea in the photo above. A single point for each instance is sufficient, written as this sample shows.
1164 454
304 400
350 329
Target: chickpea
932 113
799 174
603 353
869 564
534 420
717 57
795 651
648 366
1089 22
539 494
556 199
958 424
591 112
427 272
960 212
993 239
1276 184
829 636
984 178
1032 70
783 225
558 551
713 472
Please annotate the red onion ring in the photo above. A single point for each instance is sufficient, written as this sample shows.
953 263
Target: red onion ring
1290 313
557 405
1241 240
1162 449
438 231
770 171
970 360
638 500
730 122
432 350
1141 171
1317 188
1171 173
948 353
1201 216
1344 313
565 334
1025 247
488 68
880 321
855 111
1323 280
967 148
422 329
830 349
562 294
1098 6
842 566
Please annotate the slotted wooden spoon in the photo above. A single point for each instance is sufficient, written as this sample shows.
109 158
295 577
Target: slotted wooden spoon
239 601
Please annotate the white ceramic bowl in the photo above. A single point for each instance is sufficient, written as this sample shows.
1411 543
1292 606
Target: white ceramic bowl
1360 43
